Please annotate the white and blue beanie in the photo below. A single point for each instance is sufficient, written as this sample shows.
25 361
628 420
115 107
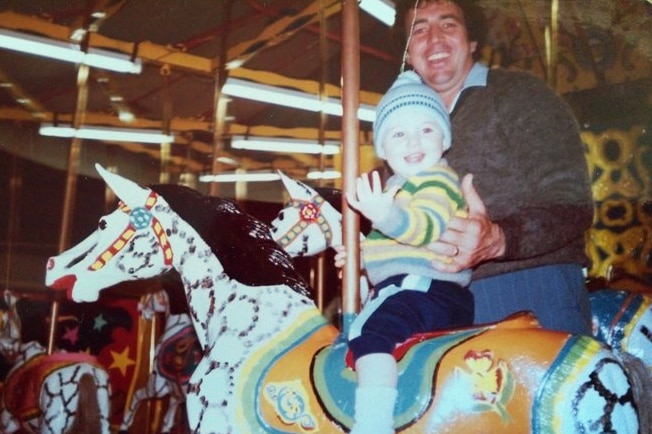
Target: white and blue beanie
409 93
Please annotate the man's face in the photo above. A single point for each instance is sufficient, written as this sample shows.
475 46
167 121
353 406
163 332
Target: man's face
439 49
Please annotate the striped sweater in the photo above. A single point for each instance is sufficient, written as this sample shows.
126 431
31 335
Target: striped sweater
421 211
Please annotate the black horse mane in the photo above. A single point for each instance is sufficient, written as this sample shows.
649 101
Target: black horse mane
241 242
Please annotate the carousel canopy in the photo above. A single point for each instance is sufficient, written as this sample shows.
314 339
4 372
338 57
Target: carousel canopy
178 54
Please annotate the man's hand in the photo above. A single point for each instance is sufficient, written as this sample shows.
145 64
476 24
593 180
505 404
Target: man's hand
469 241
369 198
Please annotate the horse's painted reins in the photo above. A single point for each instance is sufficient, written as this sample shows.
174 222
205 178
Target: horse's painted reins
139 218
309 212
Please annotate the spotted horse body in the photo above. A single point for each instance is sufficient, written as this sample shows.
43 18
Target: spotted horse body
57 393
273 364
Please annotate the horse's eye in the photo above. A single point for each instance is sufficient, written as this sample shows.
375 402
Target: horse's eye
281 215
102 224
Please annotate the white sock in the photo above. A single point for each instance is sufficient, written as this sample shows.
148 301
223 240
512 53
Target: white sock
374 410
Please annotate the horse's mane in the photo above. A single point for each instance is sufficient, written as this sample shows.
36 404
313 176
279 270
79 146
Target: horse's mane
241 242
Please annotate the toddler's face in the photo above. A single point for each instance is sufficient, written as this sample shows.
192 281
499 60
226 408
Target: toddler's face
412 143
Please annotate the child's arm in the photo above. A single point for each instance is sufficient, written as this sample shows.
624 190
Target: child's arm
422 212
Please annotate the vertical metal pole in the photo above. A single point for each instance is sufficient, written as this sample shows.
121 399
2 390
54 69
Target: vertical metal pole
219 111
15 185
320 263
166 147
71 188
350 156
552 44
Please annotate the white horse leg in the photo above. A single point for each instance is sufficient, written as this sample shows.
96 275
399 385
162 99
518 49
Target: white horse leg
156 387
170 414
103 398
8 423
58 402
136 399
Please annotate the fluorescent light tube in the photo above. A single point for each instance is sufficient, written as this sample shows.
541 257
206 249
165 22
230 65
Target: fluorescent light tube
239 177
291 98
327 174
106 133
68 52
292 146
382 10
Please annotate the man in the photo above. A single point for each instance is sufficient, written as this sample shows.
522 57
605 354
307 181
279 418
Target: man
526 177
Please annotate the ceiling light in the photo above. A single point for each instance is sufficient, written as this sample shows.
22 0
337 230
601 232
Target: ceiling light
126 116
291 98
107 134
68 52
382 10
291 146
228 160
239 177
326 174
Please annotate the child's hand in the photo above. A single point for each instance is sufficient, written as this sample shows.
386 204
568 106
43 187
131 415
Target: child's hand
340 256
370 199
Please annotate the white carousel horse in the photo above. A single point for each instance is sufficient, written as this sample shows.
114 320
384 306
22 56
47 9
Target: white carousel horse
176 355
309 224
273 364
58 393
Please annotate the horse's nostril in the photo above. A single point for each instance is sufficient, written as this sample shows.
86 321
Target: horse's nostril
273 229
50 264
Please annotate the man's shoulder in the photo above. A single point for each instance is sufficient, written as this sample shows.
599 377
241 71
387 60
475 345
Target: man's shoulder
511 77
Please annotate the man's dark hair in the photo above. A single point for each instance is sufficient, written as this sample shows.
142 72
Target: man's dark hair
474 20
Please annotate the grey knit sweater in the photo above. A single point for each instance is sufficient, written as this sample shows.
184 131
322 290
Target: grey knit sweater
522 144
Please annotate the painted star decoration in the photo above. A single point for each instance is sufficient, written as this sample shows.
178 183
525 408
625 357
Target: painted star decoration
121 361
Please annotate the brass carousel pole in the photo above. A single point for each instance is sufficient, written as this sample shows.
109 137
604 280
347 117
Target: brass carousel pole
350 156
318 280
166 147
71 187
552 44
219 110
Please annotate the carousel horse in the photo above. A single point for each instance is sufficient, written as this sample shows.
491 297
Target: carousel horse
623 319
273 364
176 355
309 224
58 393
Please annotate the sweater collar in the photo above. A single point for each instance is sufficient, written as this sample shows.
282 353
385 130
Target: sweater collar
477 77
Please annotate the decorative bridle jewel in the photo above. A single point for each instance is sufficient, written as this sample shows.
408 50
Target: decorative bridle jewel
309 213
139 218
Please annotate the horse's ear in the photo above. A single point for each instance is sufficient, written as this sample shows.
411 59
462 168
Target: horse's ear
132 194
296 189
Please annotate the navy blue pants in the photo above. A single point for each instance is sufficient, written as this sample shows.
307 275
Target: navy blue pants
403 306
556 294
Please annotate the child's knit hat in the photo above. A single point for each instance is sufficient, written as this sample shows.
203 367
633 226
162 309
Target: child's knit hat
409 94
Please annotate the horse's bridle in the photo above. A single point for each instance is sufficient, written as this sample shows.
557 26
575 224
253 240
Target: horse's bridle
309 213
139 218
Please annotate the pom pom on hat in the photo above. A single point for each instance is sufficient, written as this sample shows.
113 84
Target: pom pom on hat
408 93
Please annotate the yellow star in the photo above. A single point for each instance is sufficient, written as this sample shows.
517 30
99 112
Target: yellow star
121 361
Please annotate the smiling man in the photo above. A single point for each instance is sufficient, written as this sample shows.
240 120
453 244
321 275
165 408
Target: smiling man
526 179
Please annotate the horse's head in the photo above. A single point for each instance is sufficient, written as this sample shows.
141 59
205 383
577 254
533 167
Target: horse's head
308 224
129 244
10 328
